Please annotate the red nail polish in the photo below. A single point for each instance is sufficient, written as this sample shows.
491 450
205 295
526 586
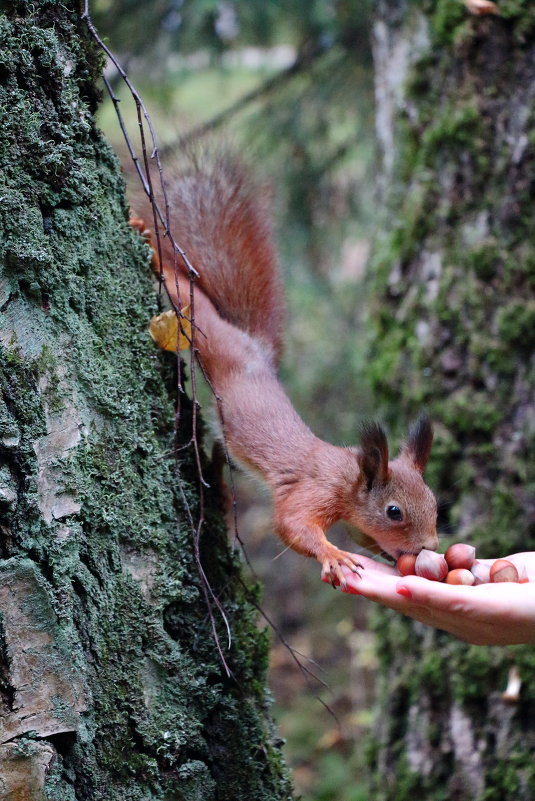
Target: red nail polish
404 591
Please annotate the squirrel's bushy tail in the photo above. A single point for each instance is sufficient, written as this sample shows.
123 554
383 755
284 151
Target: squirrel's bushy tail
222 220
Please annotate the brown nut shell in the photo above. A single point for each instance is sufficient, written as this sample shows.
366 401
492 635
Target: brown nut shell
503 570
406 564
460 555
431 565
460 575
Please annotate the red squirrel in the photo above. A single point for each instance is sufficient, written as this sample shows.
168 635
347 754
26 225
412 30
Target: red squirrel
221 219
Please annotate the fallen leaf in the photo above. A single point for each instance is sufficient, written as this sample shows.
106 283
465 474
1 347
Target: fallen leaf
164 330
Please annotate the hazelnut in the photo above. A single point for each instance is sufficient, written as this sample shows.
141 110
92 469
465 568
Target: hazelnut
503 570
431 565
405 564
460 575
460 555
481 572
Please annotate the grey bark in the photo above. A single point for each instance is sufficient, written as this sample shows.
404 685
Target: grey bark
110 683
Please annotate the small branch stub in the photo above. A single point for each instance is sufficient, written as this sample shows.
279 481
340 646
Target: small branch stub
481 7
511 694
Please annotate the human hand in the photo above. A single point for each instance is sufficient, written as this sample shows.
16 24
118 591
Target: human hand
487 614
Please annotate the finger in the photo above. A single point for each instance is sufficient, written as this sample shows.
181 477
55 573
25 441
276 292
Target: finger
376 586
456 616
373 564
363 564
485 602
446 597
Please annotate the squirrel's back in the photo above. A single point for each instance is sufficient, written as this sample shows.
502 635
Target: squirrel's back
222 220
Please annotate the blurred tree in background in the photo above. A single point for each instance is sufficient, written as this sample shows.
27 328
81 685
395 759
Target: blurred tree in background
453 303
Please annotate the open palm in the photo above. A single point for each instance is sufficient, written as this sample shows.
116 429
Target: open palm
489 614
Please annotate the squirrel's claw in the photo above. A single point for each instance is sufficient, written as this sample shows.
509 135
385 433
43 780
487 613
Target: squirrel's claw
331 569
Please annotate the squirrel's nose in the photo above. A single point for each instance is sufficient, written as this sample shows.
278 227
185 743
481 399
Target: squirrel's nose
431 542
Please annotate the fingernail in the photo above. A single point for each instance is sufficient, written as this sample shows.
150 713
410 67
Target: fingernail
402 590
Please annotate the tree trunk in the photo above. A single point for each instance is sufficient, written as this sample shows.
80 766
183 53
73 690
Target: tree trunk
110 683
454 315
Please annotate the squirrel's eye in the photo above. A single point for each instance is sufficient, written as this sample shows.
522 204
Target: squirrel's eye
394 512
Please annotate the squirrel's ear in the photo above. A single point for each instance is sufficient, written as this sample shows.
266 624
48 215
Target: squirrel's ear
418 445
373 454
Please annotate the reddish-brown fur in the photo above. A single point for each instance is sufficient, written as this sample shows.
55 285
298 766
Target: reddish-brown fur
221 219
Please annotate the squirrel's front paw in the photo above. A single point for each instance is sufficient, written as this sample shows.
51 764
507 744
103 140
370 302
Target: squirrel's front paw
331 560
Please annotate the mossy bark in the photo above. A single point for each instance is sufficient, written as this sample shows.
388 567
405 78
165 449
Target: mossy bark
110 683
453 315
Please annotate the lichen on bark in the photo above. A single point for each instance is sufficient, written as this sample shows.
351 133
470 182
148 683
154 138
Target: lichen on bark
95 544
453 311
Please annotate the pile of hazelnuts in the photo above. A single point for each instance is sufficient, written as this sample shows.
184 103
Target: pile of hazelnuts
459 566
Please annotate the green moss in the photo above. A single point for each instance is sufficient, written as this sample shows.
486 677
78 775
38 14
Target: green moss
454 127
470 411
483 260
523 17
472 668
516 324
446 20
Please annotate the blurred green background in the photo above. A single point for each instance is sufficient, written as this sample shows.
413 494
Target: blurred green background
290 85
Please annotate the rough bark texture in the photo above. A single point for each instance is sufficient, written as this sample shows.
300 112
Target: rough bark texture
110 684
454 318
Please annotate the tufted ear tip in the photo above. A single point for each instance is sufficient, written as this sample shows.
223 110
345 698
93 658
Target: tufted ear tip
373 453
419 442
